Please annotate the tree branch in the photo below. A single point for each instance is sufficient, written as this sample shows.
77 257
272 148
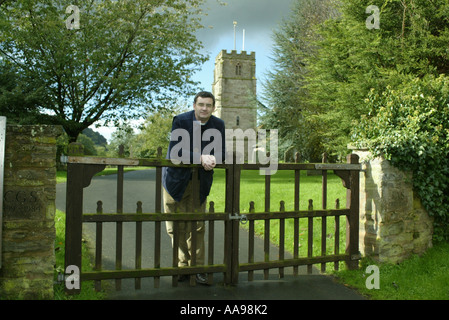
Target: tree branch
117 67
119 62
403 21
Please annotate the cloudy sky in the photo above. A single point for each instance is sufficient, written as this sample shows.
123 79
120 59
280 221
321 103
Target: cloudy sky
258 17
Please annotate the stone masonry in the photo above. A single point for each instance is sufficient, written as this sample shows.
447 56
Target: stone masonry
234 89
28 212
393 223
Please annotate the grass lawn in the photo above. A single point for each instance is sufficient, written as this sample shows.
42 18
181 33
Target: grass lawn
87 288
417 278
423 277
282 189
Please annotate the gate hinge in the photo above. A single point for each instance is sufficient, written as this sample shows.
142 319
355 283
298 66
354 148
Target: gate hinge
243 219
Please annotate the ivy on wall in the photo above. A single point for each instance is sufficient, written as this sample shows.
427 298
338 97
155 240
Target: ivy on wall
409 125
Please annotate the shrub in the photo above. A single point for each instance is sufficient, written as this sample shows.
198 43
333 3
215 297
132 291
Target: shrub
410 127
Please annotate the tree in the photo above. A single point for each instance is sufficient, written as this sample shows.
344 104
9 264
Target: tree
3 2
284 89
18 100
124 135
96 137
155 133
126 58
352 59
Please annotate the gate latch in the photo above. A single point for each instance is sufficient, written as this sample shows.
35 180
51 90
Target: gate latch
243 219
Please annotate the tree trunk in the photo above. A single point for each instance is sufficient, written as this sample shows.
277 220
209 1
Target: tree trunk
73 133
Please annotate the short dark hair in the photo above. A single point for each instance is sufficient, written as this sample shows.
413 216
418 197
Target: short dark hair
204 94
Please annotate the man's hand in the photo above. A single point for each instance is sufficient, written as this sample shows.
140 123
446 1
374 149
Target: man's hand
208 162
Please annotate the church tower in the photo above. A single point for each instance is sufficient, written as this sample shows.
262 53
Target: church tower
234 89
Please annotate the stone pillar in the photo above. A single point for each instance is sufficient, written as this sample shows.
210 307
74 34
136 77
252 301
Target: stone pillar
29 212
393 223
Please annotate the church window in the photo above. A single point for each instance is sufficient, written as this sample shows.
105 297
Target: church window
238 121
238 69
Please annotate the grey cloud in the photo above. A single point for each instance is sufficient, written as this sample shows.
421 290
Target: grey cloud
257 17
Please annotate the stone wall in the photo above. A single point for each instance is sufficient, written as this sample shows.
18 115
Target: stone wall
235 90
28 212
393 223
234 93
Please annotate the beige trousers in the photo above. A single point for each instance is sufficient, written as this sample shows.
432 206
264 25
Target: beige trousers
184 228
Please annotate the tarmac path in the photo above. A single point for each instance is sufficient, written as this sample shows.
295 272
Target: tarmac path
139 186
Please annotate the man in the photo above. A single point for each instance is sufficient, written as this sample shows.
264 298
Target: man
177 181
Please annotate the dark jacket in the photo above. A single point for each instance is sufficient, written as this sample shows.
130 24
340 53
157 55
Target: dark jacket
175 180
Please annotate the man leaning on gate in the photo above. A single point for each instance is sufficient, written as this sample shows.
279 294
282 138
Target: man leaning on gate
192 127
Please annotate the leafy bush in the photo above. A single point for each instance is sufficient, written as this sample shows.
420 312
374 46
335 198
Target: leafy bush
410 127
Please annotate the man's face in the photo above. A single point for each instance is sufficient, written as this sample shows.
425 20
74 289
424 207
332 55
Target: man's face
203 109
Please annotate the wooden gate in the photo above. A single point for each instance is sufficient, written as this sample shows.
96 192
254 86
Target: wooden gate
349 173
80 171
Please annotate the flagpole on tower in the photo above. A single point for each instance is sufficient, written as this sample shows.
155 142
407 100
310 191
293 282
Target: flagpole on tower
235 25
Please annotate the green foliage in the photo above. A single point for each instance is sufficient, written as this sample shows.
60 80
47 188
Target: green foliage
127 57
154 133
18 100
93 142
96 137
89 145
124 135
410 126
352 59
283 89
358 73
417 278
